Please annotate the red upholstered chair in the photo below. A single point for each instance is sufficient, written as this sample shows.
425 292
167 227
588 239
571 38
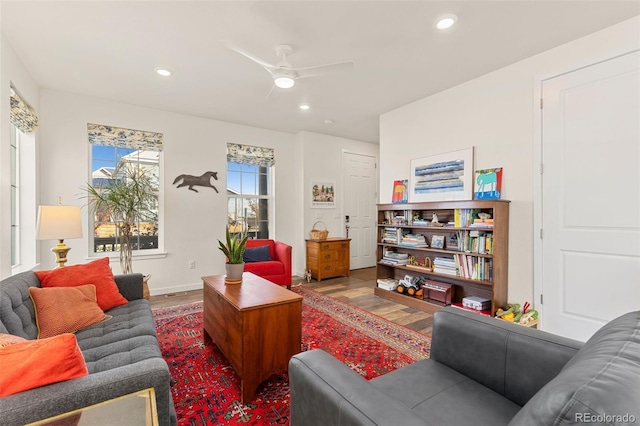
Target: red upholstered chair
276 270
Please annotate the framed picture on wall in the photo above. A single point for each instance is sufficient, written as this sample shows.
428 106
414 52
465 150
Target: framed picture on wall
442 177
323 194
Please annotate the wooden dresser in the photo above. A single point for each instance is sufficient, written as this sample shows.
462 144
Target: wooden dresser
328 258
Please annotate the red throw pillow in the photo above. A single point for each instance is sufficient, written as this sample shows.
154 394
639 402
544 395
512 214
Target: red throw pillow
36 363
97 273
65 309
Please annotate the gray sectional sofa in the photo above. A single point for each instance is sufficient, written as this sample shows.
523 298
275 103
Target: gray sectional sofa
482 371
122 355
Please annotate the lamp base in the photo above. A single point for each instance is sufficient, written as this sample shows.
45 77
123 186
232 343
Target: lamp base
61 250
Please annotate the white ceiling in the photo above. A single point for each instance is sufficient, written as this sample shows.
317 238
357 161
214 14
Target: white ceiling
109 49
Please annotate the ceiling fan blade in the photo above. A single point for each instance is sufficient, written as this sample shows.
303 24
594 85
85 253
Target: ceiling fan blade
269 67
320 70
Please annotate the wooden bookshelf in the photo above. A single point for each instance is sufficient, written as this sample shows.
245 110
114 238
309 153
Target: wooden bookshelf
478 250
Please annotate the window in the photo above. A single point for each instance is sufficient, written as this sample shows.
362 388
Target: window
249 193
23 121
116 154
15 196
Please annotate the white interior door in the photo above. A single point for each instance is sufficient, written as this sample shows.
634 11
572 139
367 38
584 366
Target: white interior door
359 203
591 196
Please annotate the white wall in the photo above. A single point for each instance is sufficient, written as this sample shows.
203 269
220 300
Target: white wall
322 159
192 221
13 71
496 114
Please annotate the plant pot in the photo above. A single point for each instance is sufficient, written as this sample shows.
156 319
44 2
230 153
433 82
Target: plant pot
234 270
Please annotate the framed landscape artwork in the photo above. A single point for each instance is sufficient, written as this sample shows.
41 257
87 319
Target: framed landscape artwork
323 194
442 177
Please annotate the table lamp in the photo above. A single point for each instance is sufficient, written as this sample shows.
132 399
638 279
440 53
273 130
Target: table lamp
59 223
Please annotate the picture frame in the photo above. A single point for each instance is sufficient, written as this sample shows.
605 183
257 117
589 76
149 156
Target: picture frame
442 177
399 195
437 241
322 193
488 184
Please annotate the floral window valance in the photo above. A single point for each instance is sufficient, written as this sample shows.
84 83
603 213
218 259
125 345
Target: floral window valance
247 154
100 134
21 114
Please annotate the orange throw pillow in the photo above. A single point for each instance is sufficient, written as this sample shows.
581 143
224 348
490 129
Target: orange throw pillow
65 309
36 363
97 273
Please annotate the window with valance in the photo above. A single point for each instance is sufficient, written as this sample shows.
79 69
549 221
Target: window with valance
249 193
21 114
114 152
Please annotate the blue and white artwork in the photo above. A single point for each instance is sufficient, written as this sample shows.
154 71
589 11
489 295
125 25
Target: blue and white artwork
442 177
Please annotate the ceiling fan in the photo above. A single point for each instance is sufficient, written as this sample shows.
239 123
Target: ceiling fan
283 74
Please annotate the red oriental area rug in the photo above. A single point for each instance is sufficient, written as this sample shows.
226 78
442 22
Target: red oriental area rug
206 389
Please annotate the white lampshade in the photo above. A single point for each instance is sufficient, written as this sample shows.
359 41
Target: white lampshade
59 222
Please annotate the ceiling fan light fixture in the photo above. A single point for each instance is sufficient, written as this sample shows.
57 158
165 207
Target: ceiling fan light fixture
284 81
446 21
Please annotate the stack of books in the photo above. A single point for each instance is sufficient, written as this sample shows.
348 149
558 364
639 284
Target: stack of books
445 265
391 235
482 223
393 258
413 240
387 283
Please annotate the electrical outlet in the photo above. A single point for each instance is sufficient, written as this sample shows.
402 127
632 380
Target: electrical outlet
192 264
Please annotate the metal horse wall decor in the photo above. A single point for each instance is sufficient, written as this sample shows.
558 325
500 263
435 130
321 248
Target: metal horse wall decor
191 181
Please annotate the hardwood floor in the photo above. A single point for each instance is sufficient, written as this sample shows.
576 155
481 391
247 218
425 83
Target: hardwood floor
356 289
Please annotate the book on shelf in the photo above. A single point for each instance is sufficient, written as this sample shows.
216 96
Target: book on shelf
475 241
391 235
413 240
445 265
474 267
387 283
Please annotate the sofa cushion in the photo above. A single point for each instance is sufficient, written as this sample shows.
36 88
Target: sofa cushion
257 254
130 320
97 273
65 309
600 380
264 269
36 363
17 315
434 392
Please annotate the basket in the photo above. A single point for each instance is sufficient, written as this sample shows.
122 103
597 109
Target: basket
317 234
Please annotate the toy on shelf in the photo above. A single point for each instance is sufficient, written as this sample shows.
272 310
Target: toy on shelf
410 285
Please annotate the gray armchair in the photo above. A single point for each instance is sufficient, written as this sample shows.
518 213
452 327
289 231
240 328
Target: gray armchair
481 371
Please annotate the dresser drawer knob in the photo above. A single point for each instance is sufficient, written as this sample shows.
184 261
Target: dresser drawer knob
325 247
327 267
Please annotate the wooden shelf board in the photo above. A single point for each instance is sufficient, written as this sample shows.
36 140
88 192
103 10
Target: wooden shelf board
412 302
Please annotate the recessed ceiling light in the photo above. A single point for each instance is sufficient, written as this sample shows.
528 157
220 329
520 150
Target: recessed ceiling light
163 72
304 106
328 121
446 21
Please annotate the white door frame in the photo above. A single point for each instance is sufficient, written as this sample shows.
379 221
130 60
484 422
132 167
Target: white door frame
537 174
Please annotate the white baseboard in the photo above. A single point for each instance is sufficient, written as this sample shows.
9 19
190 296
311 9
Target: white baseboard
175 289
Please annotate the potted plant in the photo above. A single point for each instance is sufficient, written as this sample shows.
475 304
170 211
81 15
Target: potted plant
233 250
126 199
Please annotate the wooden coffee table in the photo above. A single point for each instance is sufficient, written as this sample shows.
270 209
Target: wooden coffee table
257 325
